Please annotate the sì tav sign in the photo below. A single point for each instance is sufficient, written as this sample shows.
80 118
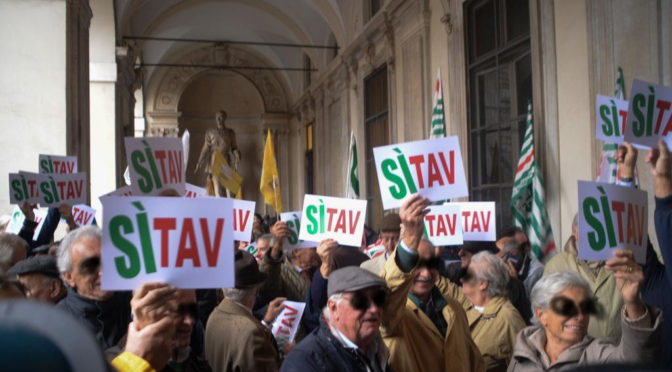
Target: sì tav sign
293 221
155 164
48 190
57 164
611 114
478 220
335 218
649 114
443 225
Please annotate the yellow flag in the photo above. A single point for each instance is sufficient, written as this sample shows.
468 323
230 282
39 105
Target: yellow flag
270 183
227 176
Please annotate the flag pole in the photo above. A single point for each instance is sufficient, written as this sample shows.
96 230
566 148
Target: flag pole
347 171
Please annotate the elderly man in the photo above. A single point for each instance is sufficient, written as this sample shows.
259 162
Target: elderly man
390 228
106 314
348 338
514 248
234 339
425 328
40 278
12 250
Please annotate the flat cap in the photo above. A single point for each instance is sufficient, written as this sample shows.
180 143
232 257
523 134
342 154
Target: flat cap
37 264
391 222
480 246
352 278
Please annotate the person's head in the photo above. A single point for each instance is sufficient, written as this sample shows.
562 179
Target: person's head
305 258
40 278
519 235
248 280
355 304
470 248
562 304
390 228
486 278
10 287
258 219
511 251
427 270
264 242
79 262
187 312
220 118
12 250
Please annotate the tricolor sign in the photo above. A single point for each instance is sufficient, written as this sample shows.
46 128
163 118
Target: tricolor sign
443 225
155 164
182 241
432 168
287 322
83 214
335 218
649 114
48 190
293 221
611 114
478 220
57 164
611 217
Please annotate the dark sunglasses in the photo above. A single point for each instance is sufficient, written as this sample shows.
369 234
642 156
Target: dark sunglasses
90 266
432 263
562 305
188 310
361 302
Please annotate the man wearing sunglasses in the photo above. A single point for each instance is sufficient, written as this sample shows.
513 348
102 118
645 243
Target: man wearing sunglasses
390 228
424 327
348 338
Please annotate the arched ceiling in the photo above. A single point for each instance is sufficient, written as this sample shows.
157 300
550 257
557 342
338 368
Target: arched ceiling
307 22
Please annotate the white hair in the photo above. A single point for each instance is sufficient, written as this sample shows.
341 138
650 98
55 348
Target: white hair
337 298
64 254
550 285
493 271
239 295
269 237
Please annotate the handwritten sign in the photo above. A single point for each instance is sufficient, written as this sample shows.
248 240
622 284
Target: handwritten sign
287 322
181 241
611 118
155 164
432 168
478 220
336 218
443 225
611 217
649 114
83 214
57 164
293 221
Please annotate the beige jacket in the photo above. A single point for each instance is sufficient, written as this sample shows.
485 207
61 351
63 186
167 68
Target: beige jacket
374 265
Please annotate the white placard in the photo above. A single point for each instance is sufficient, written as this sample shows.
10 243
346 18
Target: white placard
443 225
24 187
243 219
16 223
57 164
181 241
611 217
610 119
649 114
155 164
335 218
293 221
478 220
432 168
83 214
48 190
193 191
287 322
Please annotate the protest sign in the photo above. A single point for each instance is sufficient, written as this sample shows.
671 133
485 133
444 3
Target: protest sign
611 217
122 191
243 219
16 223
24 187
336 218
252 249
478 220
181 241
610 120
293 221
432 168
649 114
155 164
57 164
193 191
83 214
48 190
443 225
287 322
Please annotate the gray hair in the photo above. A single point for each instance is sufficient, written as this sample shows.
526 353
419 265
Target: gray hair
64 254
550 285
510 245
269 237
239 295
494 272
337 298
9 242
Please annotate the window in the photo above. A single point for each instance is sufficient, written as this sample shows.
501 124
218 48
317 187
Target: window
499 76
377 134
310 173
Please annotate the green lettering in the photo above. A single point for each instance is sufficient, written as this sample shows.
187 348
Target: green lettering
398 192
596 237
126 268
44 188
407 172
312 222
614 115
145 181
607 218
152 165
649 118
44 166
16 187
292 238
145 239
321 217
606 126
53 187
638 125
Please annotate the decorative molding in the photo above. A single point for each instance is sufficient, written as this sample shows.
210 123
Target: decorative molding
447 21
163 131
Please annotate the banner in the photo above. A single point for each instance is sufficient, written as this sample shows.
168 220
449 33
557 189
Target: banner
611 217
649 114
478 220
443 225
57 164
340 219
155 164
287 322
433 168
611 114
293 221
83 214
181 241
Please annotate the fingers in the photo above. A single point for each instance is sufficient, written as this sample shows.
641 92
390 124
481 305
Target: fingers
662 148
146 287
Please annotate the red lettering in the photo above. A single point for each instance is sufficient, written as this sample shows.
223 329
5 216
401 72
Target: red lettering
32 184
60 185
290 311
243 220
631 226
662 107
450 176
175 166
465 220
160 155
430 220
668 126
331 212
417 160
164 225
70 190
57 164
485 221
191 251
624 116
289 322
451 226
340 222
71 167
86 218
353 223
433 170
619 207
79 186
212 250
77 215
440 226
475 223
282 330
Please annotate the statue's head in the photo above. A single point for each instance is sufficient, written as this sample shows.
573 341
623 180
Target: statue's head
220 118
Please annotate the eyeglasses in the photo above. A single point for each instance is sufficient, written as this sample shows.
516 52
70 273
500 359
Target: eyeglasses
361 302
389 238
90 266
188 310
562 305
432 263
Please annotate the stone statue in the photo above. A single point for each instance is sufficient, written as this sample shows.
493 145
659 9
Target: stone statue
220 139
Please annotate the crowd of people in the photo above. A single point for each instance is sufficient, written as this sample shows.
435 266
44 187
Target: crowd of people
482 306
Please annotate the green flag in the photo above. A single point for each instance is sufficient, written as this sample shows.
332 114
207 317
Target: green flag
438 126
352 183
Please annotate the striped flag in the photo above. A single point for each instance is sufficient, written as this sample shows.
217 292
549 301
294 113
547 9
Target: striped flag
438 126
608 171
527 199
352 183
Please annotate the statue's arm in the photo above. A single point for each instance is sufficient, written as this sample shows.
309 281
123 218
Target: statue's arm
205 152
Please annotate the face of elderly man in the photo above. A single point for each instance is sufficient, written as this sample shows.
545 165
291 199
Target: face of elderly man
358 325
562 329
41 287
84 276
262 248
187 312
427 271
389 239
